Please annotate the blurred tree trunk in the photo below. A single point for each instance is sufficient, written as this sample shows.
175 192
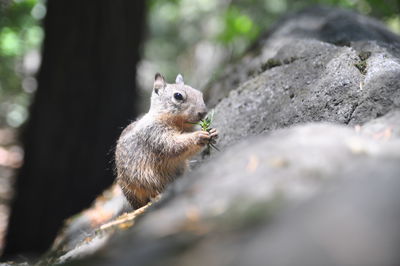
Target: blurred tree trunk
85 97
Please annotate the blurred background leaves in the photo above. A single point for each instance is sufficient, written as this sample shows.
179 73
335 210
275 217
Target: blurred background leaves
20 39
196 37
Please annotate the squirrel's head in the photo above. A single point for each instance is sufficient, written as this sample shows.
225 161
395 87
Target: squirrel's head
177 100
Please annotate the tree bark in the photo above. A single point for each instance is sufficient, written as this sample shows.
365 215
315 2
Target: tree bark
85 97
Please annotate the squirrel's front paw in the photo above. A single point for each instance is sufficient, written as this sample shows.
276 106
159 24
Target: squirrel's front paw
214 133
202 137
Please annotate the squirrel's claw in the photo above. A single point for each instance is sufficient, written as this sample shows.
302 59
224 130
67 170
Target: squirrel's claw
213 133
202 137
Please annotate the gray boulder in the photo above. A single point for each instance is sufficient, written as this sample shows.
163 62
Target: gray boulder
309 167
315 194
340 28
319 65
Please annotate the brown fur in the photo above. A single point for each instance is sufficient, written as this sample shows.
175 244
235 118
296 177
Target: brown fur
154 150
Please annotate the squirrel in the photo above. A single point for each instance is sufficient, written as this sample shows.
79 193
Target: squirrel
154 150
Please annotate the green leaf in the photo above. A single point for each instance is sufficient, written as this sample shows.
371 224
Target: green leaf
10 44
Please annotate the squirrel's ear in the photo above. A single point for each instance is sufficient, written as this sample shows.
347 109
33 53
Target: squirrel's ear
159 82
179 79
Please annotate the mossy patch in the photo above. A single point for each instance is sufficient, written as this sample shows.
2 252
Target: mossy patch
275 62
362 65
272 62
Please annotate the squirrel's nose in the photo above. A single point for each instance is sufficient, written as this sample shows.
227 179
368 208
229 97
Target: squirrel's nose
201 114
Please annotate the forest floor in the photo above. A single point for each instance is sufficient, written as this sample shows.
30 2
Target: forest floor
10 160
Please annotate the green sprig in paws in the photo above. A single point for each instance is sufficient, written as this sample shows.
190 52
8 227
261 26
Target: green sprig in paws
205 125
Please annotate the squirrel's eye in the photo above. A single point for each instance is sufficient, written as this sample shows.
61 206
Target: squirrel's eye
178 96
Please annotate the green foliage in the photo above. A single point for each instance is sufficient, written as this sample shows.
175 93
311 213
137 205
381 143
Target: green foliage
19 29
237 25
20 34
205 125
